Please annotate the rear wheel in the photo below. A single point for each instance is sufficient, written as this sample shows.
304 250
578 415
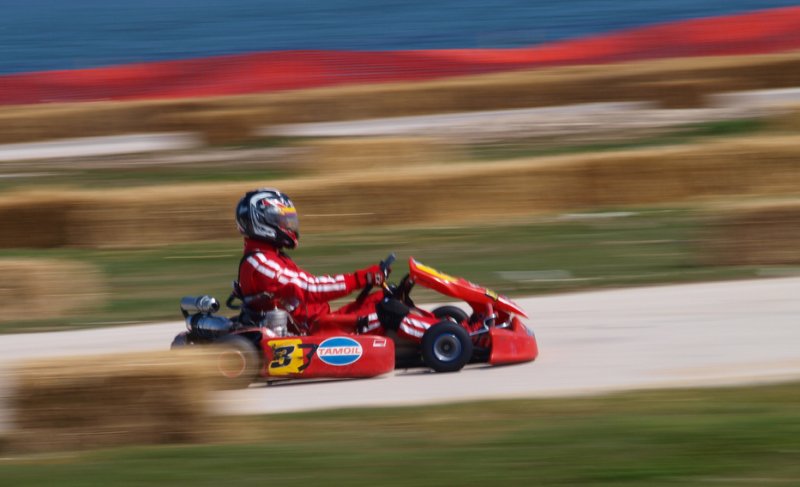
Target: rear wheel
451 313
446 347
237 361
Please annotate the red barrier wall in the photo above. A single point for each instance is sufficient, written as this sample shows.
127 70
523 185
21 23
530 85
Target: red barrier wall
752 33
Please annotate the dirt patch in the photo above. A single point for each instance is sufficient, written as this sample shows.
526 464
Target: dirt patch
92 402
48 288
672 83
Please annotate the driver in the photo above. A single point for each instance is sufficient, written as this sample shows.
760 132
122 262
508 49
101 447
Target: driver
269 278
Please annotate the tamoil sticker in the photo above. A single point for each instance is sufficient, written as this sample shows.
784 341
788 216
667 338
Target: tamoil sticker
339 351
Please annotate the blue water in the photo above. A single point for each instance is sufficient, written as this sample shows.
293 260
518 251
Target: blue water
63 34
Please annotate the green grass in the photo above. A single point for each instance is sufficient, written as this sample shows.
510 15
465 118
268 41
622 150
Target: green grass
737 436
650 246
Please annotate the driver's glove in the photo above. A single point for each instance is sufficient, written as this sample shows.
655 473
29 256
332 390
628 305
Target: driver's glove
362 324
372 276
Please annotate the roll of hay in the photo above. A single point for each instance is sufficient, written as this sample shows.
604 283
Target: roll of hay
48 288
126 399
754 234
217 126
66 120
789 121
36 220
153 216
369 153
432 193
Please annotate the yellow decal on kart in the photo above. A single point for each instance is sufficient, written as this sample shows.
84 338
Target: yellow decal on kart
433 272
287 357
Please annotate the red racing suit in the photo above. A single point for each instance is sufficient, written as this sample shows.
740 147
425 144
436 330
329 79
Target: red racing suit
266 271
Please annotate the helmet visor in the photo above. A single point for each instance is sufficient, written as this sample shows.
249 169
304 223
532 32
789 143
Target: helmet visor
287 220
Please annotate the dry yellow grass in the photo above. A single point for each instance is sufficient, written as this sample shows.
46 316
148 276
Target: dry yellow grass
762 233
47 288
672 82
423 194
88 402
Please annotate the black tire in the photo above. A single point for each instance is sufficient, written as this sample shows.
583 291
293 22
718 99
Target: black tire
451 313
446 347
237 361
181 340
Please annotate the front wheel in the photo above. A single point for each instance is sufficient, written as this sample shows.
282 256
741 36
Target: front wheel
446 347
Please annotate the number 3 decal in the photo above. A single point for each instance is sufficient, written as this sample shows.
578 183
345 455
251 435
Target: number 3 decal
281 356
288 357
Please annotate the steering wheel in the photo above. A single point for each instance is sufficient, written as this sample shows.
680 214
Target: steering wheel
386 265
386 268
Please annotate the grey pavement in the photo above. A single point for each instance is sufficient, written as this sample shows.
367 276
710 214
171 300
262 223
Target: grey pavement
595 119
778 98
720 333
100 146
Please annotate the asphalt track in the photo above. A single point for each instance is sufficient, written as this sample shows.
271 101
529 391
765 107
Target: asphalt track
590 342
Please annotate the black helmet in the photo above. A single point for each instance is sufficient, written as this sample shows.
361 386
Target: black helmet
268 215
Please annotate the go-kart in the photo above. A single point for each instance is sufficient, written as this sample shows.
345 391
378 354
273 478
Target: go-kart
274 347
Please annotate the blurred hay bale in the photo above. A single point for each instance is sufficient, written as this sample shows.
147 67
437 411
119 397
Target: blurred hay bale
366 153
124 399
676 93
56 121
764 233
48 288
754 166
428 193
36 220
152 216
789 121
435 194
217 126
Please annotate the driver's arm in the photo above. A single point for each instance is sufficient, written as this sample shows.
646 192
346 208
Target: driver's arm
314 289
308 288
